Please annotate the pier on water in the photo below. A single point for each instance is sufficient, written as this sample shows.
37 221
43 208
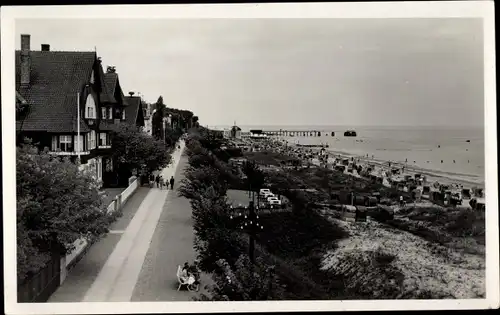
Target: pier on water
295 133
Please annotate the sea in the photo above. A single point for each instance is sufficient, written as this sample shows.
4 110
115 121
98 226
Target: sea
447 151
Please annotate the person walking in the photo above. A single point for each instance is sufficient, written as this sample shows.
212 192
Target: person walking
172 180
165 183
157 181
151 180
161 182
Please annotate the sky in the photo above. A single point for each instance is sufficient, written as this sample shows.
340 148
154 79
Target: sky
349 72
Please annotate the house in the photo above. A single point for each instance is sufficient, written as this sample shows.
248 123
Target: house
134 113
112 113
235 132
148 123
62 93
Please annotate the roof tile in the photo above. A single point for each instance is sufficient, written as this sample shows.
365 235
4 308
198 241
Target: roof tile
56 77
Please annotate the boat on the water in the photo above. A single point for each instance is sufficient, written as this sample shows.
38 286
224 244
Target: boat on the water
350 133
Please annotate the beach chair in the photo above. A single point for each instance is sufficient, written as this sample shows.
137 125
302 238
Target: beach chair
182 281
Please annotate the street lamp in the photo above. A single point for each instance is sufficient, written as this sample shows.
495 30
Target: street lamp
250 223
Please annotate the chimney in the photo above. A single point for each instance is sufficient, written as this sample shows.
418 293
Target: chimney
45 47
25 59
131 93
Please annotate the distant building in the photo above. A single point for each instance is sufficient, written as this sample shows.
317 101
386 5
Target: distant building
235 132
148 120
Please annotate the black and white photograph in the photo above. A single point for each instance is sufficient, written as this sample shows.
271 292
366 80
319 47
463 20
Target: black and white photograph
249 157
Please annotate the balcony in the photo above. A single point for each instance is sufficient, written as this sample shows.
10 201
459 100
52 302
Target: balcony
67 153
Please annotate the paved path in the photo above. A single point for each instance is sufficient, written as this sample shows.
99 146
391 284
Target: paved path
83 274
120 262
171 245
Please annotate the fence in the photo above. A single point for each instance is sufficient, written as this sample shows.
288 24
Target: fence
122 198
39 287
132 187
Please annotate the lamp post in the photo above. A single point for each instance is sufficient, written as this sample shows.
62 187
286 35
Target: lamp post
249 223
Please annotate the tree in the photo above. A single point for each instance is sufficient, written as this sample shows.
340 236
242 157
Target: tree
172 136
255 176
157 119
240 283
195 121
56 205
136 150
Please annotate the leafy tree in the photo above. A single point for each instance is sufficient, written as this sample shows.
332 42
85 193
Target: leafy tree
157 119
195 121
172 135
241 283
255 176
56 205
136 150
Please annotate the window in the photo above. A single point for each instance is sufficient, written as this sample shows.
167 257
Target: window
92 139
110 110
90 109
82 143
54 143
103 111
65 143
102 139
123 115
92 80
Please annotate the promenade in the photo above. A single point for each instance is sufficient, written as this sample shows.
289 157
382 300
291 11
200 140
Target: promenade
137 260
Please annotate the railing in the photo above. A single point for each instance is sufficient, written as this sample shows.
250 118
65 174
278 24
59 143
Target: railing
130 189
122 198
69 153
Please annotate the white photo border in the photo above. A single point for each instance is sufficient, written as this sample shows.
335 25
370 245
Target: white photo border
459 9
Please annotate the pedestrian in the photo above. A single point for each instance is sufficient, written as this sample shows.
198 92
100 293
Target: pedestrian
151 180
157 181
161 182
172 180
165 184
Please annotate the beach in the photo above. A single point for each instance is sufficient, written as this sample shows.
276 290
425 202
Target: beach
447 155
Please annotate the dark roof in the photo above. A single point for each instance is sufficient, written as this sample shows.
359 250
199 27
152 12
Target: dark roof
110 78
112 83
134 110
236 128
106 95
56 77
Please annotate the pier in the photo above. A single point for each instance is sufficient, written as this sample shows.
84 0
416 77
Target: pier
295 133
